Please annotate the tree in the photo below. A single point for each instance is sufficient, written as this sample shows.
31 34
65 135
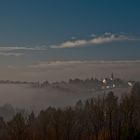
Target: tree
17 128
111 102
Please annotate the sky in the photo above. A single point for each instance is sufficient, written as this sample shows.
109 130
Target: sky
40 32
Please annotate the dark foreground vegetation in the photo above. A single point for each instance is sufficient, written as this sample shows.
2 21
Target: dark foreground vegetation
101 118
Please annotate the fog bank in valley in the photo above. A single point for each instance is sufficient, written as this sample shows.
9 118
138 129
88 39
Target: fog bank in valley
23 96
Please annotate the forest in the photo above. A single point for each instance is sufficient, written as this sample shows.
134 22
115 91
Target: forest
105 117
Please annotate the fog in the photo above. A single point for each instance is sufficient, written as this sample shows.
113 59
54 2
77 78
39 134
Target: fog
35 98
23 96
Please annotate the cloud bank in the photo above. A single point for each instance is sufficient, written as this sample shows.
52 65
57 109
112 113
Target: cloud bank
63 70
81 62
14 51
22 48
11 54
96 40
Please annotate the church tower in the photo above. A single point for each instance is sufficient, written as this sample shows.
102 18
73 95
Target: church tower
112 76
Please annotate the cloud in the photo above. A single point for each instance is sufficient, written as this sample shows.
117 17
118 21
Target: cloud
11 67
22 48
56 63
64 70
80 62
96 40
11 54
14 51
73 38
93 35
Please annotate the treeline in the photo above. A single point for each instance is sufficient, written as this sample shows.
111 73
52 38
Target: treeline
101 118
